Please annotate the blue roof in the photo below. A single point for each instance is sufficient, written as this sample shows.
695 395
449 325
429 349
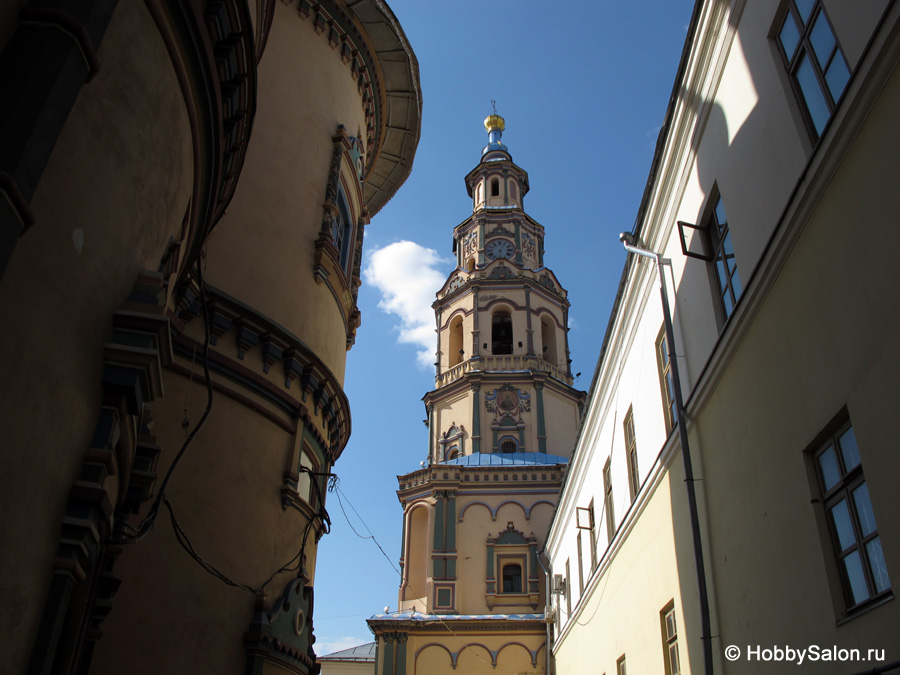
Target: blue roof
507 459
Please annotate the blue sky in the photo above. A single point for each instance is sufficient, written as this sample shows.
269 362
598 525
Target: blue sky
583 87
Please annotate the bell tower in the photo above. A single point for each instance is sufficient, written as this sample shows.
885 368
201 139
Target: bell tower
503 377
502 421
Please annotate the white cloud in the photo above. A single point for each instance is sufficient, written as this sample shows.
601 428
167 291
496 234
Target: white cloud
332 645
407 276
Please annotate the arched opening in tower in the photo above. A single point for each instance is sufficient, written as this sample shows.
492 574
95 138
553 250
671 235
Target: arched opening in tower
455 346
548 340
501 333
416 556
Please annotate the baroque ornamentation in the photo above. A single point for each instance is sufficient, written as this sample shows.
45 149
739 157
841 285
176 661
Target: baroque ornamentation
507 401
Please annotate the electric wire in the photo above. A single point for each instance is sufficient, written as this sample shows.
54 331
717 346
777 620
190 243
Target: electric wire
147 524
150 520
339 493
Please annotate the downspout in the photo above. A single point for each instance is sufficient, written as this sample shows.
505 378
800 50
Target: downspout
547 604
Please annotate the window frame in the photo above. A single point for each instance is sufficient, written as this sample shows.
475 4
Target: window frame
580 550
843 490
631 458
510 564
719 241
608 503
669 640
666 381
507 440
804 47
343 230
593 537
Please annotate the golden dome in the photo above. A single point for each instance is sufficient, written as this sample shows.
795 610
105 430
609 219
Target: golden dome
492 122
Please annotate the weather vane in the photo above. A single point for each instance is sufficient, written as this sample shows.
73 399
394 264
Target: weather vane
494 103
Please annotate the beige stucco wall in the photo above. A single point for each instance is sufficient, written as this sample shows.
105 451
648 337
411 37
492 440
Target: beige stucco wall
262 250
825 338
619 612
425 656
814 333
115 188
356 668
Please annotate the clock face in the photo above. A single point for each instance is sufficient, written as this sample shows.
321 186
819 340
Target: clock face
499 248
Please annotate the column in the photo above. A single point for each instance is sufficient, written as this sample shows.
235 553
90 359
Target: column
450 512
476 418
541 428
388 654
476 333
438 547
430 410
529 329
401 653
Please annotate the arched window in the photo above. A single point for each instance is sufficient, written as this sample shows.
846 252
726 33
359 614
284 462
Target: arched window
455 342
508 445
501 333
470 265
548 340
512 578
513 194
495 187
453 453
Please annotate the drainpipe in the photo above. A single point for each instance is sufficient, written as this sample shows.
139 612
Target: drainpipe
706 638
547 604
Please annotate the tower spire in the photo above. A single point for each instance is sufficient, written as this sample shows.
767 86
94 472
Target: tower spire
494 125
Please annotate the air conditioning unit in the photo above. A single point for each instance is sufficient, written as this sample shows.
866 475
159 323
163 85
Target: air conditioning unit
559 585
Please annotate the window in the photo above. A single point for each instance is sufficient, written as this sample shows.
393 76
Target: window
342 229
620 665
728 282
309 485
512 578
495 187
593 537
634 482
666 383
608 502
508 445
814 59
580 566
501 333
851 520
670 639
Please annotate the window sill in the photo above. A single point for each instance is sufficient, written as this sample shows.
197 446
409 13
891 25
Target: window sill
865 608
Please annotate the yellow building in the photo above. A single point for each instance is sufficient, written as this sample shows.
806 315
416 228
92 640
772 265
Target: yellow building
502 421
185 187
772 200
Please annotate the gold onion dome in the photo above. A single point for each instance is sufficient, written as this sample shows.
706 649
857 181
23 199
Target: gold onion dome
494 122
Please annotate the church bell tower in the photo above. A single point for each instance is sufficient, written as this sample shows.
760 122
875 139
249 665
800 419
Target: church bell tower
503 383
502 421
